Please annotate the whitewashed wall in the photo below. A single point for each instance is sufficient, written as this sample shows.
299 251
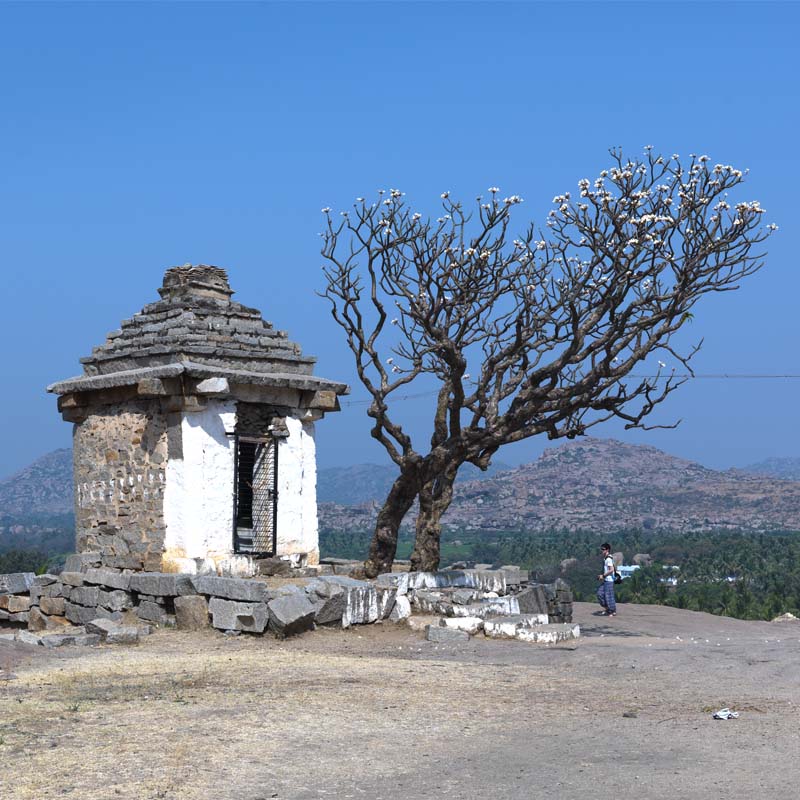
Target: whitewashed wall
198 492
297 492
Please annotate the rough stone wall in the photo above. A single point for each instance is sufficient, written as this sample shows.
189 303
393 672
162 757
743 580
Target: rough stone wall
120 456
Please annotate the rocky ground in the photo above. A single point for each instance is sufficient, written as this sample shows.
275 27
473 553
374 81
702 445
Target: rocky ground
377 712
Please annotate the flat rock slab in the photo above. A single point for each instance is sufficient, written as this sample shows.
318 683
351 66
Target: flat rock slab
242 589
489 607
231 615
484 580
436 633
507 627
112 632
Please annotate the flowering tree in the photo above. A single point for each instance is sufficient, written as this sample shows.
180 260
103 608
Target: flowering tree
536 335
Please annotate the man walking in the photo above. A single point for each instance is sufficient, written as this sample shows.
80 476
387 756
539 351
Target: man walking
605 592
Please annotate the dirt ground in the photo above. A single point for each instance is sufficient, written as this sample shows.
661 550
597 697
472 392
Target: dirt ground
377 712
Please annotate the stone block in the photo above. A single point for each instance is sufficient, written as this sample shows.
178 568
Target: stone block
291 614
52 605
470 625
436 633
401 610
532 600
399 580
273 566
463 597
386 599
3 614
28 638
80 615
51 590
513 575
15 603
549 634
330 610
16 582
231 615
432 602
484 580
36 620
105 576
191 613
22 616
116 600
152 612
45 580
242 589
85 595
488 607
112 632
72 578
164 584
81 561
86 640
362 601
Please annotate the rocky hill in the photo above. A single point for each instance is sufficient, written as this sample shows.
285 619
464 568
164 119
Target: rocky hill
589 483
45 486
786 468
605 485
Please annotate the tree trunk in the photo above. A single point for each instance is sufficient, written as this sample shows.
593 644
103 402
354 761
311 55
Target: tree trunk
434 499
383 547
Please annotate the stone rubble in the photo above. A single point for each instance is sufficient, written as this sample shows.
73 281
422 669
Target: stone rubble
89 604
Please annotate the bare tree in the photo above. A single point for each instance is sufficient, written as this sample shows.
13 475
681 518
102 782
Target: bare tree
535 335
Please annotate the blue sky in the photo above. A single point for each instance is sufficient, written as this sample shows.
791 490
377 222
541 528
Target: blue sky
138 136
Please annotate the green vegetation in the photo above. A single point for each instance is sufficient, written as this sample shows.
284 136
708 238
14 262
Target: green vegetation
738 574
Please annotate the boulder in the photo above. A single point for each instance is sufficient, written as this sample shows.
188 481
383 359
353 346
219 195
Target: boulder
16 582
230 615
191 613
436 633
243 589
290 614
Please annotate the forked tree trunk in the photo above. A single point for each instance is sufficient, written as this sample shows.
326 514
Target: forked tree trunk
383 547
434 499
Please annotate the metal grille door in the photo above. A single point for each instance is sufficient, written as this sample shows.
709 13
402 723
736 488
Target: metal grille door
256 501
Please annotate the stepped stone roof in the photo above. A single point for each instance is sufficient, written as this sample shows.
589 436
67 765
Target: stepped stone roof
197 330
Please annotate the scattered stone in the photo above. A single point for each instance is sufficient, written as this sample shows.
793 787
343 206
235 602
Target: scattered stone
191 613
242 589
230 615
436 633
290 614
16 582
85 639
112 632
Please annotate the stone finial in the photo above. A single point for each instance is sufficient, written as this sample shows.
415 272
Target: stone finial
201 280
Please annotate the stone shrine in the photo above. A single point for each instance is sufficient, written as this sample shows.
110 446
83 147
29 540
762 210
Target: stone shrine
193 439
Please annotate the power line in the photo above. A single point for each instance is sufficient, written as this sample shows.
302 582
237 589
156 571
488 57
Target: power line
686 376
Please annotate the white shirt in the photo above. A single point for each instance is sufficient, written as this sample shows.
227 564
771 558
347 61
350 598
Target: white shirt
608 564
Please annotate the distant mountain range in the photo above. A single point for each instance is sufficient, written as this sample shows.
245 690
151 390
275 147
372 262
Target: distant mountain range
588 483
